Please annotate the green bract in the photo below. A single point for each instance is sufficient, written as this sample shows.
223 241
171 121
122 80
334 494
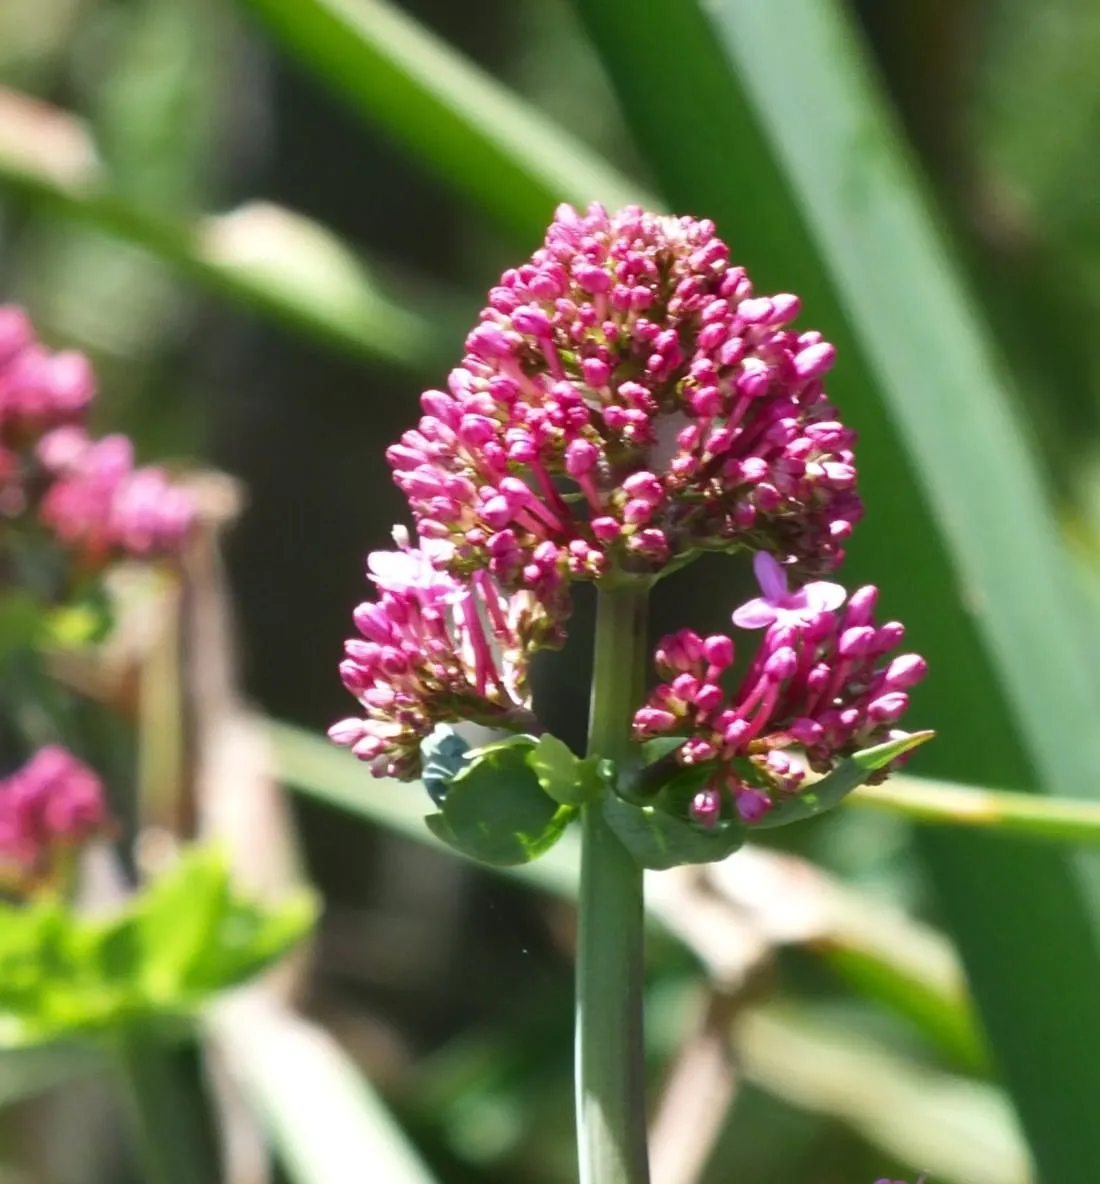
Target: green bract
494 808
180 941
509 802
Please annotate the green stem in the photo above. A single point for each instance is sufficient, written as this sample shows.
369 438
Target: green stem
173 1143
610 1070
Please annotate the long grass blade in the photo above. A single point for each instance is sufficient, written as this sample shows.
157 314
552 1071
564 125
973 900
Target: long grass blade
261 256
480 137
806 175
324 1118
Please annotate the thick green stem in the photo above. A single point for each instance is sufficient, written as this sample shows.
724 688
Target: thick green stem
611 1123
173 1144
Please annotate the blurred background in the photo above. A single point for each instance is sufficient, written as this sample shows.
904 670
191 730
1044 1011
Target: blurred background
449 987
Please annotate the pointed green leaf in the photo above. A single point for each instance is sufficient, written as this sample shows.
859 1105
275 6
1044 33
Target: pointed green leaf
831 790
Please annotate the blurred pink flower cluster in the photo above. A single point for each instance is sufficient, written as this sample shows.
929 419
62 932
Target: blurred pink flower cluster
48 809
86 492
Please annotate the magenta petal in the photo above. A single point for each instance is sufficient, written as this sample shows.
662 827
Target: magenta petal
754 614
770 576
823 597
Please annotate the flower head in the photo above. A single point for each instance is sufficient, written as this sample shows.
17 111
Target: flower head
819 682
626 400
87 492
38 389
101 506
433 649
48 808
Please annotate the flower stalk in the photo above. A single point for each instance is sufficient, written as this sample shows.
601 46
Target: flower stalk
610 1071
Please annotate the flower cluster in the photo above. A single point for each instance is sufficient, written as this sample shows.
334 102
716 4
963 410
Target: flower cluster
624 401
48 809
87 493
818 682
433 649
99 505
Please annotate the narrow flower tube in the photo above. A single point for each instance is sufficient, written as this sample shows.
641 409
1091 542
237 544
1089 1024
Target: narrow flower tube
627 400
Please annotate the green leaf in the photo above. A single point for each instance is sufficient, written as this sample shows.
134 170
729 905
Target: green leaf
180 941
85 619
567 778
832 789
484 140
659 840
494 810
179 915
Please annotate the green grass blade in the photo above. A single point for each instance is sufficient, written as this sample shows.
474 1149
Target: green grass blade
261 256
479 136
939 803
323 1117
806 176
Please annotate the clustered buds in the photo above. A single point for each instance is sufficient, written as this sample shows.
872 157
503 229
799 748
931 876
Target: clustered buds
433 649
818 682
626 400
49 808
86 492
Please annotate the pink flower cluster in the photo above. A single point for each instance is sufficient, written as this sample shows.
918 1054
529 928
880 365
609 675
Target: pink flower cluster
625 401
818 682
433 649
100 505
48 808
87 493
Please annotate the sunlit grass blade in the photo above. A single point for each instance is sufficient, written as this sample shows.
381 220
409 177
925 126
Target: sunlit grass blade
480 137
323 1117
920 799
261 256
957 1130
806 176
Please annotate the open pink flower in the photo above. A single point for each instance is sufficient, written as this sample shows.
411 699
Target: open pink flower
778 605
